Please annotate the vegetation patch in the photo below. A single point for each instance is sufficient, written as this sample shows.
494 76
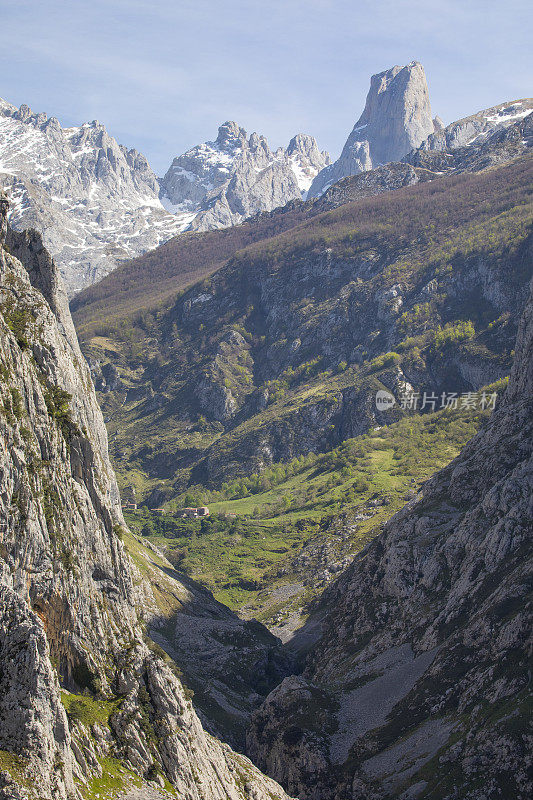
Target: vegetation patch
86 710
15 766
58 405
260 524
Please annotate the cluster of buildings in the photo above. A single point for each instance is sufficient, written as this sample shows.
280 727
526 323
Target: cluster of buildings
129 503
193 513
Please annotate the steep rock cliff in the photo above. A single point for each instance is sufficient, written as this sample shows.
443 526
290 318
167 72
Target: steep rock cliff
68 590
395 120
418 686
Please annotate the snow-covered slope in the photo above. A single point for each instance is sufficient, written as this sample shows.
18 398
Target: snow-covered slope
95 202
227 180
478 127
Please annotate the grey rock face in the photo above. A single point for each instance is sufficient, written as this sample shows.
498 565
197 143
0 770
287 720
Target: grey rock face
478 126
231 665
95 202
69 593
234 177
205 167
396 119
509 139
422 667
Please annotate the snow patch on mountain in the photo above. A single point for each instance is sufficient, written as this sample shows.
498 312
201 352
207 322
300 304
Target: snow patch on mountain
95 202
477 127
236 176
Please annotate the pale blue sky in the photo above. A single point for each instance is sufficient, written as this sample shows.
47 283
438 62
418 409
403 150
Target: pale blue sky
163 75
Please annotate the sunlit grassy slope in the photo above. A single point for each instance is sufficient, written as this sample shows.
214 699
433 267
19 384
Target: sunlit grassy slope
338 500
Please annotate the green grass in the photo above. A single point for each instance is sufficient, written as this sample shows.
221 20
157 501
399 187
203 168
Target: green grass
15 766
86 710
115 778
371 476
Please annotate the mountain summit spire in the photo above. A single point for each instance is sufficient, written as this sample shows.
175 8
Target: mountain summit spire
396 119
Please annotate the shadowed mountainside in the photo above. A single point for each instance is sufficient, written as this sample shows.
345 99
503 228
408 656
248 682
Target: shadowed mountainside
418 686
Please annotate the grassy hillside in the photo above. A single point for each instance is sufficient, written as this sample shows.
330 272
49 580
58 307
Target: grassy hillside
280 352
151 281
274 540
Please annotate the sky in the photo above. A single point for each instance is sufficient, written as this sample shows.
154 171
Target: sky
162 75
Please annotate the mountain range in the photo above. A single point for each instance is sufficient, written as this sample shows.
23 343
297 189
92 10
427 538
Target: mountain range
227 360
329 363
235 177
98 203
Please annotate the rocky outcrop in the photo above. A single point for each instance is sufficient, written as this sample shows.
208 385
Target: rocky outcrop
235 177
419 682
71 643
477 143
478 126
386 178
396 119
95 202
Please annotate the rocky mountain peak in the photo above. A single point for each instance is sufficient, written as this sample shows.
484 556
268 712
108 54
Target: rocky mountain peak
396 119
234 177
23 113
94 201
230 136
397 113
258 142
306 145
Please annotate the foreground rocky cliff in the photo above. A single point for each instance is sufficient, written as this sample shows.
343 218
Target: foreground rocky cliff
418 686
85 704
